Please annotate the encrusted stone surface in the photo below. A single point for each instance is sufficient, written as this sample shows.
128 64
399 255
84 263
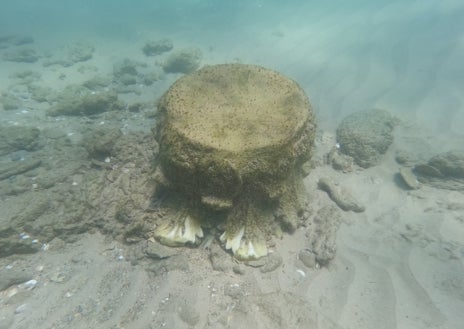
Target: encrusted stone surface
366 136
233 139
444 170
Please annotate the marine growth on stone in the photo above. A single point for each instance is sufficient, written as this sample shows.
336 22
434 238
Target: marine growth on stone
233 140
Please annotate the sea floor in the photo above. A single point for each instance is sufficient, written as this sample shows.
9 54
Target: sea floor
76 258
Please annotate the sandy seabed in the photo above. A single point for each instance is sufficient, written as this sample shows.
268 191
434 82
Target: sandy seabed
399 264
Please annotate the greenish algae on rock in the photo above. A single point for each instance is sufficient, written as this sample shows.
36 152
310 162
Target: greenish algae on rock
232 142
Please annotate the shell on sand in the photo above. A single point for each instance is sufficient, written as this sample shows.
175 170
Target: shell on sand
409 178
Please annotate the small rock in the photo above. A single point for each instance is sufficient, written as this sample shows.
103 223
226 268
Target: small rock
29 285
404 158
308 258
342 198
15 168
188 314
12 277
24 55
234 290
220 260
58 277
10 102
183 61
99 143
321 234
427 170
256 263
16 138
272 262
71 54
20 309
156 250
237 269
157 47
125 67
339 161
409 178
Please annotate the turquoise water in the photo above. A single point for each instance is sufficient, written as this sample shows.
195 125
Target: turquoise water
402 56
346 55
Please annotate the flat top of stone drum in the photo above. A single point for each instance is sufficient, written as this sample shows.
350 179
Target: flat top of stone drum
236 107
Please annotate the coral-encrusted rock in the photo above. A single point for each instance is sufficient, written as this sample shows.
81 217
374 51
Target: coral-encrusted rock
183 61
79 100
157 47
233 139
444 170
366 136
16 138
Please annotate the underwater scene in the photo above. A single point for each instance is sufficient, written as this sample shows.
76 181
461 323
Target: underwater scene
207 164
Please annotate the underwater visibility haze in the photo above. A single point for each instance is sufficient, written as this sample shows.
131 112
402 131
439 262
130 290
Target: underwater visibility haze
232 164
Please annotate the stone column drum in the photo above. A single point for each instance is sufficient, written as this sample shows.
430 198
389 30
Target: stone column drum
233 140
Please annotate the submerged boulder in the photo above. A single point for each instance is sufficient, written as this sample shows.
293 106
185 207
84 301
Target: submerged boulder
157 47
366 136
25 55
16 138
444 170
183 61
232 142
78 100
71 54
